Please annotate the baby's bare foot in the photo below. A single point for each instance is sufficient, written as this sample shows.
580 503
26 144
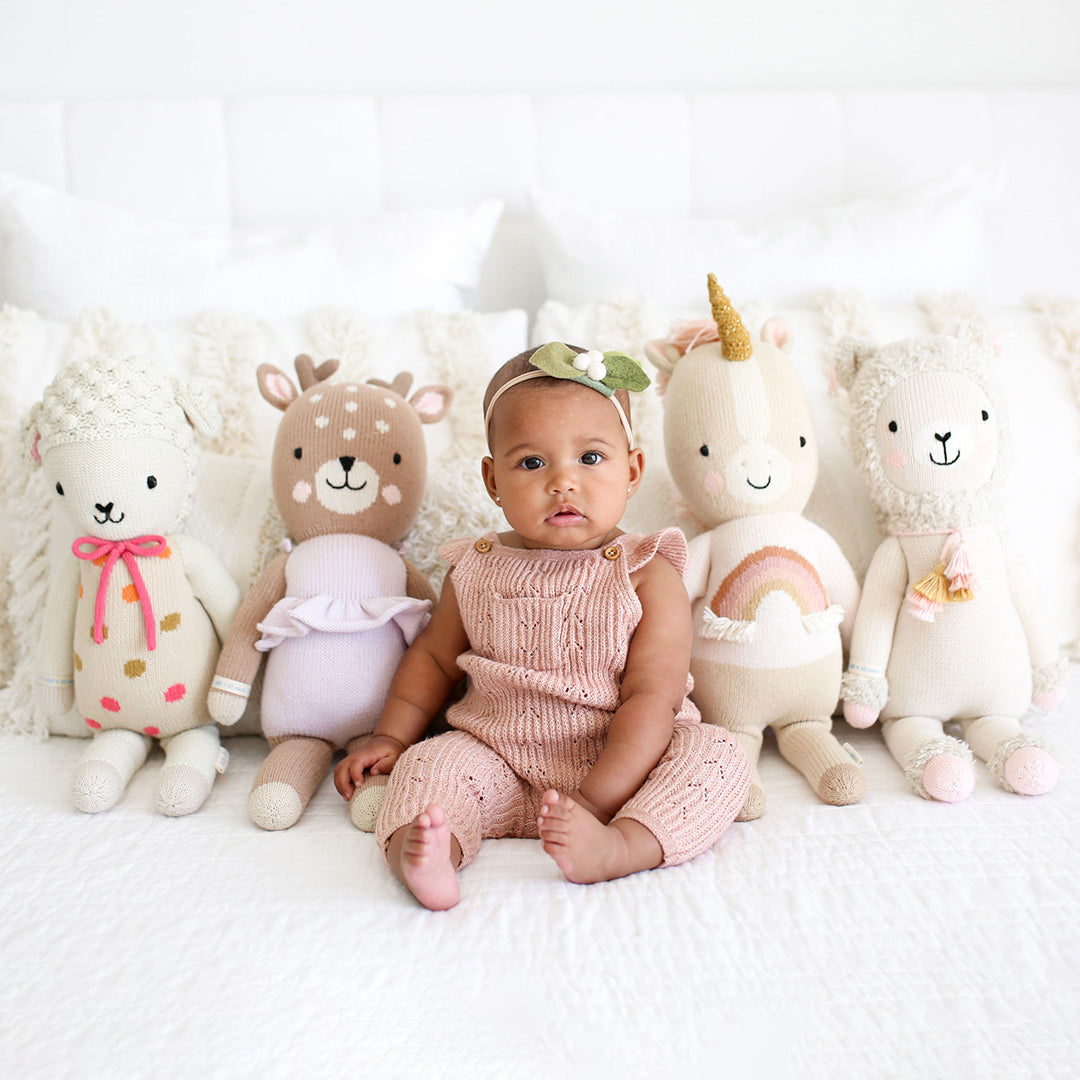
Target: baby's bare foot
426 867
587 851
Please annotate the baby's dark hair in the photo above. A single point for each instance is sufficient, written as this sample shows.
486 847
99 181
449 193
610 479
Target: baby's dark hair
520 365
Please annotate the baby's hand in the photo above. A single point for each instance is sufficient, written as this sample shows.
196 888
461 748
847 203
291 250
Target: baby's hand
376 757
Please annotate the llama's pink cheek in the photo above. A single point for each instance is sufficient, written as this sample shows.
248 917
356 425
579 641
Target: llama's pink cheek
714 483
392 494
897 460
302 492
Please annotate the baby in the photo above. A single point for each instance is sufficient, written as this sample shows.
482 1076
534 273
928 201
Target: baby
575 637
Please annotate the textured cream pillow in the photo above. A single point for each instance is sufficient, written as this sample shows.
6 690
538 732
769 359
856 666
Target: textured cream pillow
233 510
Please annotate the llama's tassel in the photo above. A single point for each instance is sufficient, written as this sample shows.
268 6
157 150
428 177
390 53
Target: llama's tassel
929 594
960 568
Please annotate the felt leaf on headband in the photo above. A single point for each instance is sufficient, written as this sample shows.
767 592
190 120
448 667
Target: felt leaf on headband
623 371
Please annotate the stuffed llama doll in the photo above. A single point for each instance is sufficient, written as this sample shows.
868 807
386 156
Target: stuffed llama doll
335 613
135 618
948 628
773 596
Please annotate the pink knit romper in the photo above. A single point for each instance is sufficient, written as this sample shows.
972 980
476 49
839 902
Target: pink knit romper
549 633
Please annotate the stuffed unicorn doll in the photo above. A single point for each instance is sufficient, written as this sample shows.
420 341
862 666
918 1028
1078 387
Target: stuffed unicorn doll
334 614
948 628
773 595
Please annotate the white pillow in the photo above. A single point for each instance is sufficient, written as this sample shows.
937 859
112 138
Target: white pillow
233 511
890 248
1040 506
60 254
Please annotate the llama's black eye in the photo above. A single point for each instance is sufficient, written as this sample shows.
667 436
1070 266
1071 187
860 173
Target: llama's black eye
892 425
704 451
986 415
59 488
802 440
298 453
397 459
151 482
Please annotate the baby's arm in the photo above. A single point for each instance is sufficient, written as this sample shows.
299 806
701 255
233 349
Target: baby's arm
652 691
423 681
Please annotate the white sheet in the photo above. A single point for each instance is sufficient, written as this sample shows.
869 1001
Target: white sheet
893 938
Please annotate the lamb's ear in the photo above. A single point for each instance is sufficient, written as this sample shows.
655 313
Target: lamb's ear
195 398
432 402
30 435
663 355
848 356
777 332
275 386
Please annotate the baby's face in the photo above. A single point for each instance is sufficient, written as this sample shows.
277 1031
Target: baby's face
560 465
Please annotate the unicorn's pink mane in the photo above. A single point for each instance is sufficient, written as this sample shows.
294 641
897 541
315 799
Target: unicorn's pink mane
690 333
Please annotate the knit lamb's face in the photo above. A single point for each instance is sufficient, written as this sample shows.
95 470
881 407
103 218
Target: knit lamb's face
119 488
937 432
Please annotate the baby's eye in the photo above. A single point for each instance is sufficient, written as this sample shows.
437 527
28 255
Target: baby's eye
591 457
532 463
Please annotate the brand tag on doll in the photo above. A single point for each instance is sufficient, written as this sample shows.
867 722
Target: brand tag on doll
222 762
852 753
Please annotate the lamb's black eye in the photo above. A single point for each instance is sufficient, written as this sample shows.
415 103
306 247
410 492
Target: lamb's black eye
59 488
298 453
151 482
986 415
397 459
892 425
802 440
704 451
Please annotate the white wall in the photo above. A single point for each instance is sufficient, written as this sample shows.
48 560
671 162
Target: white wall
104 48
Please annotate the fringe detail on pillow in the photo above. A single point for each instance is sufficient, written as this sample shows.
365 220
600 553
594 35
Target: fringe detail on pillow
1062 317
343 333
102 330
227 350
28 579
946 313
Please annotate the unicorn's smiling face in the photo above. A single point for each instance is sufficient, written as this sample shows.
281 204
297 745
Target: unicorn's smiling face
739 434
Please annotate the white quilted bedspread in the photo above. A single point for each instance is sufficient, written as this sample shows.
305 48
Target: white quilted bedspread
894 938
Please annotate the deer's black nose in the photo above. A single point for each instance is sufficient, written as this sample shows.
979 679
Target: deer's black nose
347 462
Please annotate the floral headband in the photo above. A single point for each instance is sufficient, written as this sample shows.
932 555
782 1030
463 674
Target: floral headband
602 371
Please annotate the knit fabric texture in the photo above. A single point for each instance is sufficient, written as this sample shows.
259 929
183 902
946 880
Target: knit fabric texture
549 634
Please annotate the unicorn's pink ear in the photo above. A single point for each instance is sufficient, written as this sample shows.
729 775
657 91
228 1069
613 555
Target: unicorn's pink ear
432 402
276 386
663 355
777 332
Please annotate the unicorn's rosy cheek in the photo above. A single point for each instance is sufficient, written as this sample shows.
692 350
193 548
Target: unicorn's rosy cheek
897 460
801 472
302 492
714 483
392 494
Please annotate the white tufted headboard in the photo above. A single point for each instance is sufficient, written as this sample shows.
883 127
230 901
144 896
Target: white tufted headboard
259 161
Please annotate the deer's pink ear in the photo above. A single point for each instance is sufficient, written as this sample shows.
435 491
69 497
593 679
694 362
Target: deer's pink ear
276 387
432 402
777 332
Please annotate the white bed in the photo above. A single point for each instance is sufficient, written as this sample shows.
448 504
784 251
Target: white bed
895 938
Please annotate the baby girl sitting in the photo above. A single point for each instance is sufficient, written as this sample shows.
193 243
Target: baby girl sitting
575 727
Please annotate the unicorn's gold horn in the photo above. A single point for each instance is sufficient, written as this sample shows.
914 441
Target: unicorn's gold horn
735 341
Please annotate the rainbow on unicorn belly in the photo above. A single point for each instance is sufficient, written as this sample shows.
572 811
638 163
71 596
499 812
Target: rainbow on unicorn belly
732 613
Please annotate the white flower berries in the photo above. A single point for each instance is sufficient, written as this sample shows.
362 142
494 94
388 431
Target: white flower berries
592 363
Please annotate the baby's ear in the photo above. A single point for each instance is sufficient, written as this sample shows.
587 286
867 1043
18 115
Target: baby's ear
30 436
432 402
194 397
